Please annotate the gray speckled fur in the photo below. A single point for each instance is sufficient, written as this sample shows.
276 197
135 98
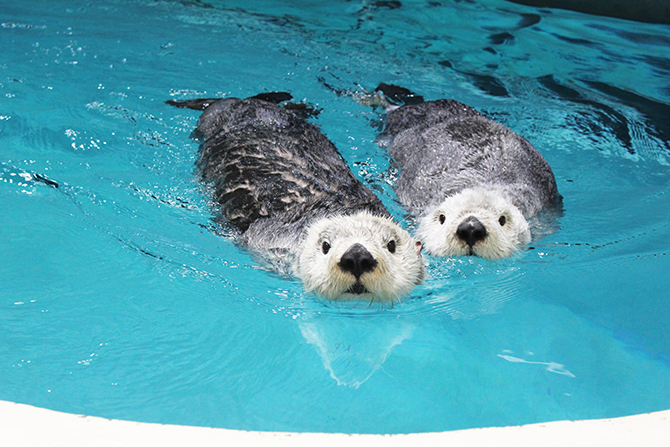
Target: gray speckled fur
274 173
443 147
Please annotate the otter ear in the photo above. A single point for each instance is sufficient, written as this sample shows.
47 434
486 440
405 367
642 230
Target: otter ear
418 246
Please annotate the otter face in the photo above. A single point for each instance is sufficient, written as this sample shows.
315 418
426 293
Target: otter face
478 222
359 257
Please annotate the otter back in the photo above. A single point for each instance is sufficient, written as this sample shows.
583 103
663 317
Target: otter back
264 162
444 147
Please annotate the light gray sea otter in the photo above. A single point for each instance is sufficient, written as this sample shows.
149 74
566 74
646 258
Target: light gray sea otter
472 182
285 187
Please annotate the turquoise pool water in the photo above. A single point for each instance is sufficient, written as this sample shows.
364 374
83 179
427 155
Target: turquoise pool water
120 298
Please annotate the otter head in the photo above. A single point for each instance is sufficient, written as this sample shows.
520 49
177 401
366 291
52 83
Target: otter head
359 257
476 221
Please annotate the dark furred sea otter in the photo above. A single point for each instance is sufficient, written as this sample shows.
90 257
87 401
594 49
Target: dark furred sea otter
284 186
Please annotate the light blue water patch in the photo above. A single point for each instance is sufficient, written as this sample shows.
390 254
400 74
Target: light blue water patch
121 298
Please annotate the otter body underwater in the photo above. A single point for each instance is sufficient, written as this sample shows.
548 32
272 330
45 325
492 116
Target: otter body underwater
283 185
473 183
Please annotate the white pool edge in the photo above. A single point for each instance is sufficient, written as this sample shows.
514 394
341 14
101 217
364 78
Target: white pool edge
25 425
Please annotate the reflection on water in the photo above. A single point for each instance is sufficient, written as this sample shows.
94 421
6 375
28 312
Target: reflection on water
353 349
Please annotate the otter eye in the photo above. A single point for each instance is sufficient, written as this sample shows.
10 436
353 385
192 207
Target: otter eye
442 219
325 247
502 220
391 246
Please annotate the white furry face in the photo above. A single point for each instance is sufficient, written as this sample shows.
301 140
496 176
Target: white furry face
474 222
359 257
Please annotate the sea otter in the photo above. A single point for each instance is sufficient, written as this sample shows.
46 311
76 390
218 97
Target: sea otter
473 183
291 197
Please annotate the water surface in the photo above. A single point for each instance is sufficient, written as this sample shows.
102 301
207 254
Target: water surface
120 298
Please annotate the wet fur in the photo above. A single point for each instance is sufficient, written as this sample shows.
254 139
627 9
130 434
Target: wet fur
446 149
282 184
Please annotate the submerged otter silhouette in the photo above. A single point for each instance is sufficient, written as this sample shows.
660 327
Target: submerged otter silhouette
283 185
472 182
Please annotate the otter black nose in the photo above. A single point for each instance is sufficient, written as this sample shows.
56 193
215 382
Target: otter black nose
471 230
357 260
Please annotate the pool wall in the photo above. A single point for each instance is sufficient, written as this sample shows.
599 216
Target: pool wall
25 425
